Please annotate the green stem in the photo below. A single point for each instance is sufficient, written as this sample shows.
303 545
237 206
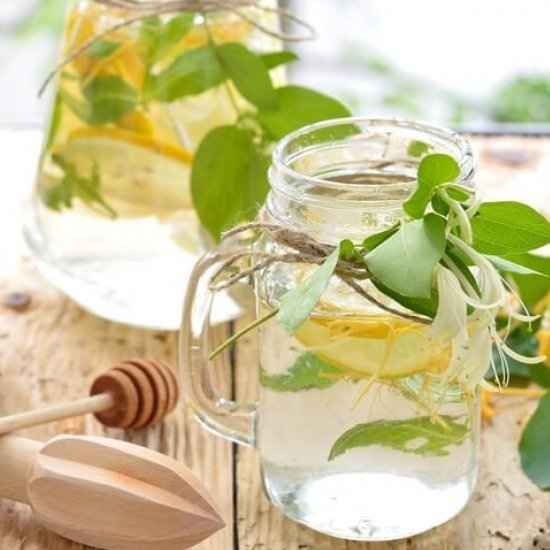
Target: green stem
242 332
212 44
463 221
458 187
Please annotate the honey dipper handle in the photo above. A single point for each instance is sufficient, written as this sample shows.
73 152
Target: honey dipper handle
95 403
17 455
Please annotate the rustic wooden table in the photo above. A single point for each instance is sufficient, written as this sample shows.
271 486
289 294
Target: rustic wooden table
50 352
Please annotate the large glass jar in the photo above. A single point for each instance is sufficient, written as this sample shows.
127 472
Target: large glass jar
112 221
356 436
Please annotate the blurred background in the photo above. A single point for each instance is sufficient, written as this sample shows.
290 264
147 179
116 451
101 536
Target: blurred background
471 65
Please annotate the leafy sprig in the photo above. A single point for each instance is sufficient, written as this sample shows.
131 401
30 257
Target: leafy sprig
229 172
402 261
308 372
418 435
73 185
229 177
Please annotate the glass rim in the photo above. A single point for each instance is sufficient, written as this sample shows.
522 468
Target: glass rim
281 164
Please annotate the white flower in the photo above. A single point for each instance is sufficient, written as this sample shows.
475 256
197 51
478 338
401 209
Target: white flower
466 319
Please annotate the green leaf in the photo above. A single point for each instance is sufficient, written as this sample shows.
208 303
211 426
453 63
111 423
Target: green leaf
508 227
257 184
159 38
416 435
423 306
534 446
532 288
417 148
456 194
406 261
298 107
148 28
308 372
109 98
503 264
168 35
103 48
437 169
416 204
249 74
433 171
274 59
372 241
540 374
463 267
538 264
73 185
439 205
347 250
297 304
192 73
228 178
79 108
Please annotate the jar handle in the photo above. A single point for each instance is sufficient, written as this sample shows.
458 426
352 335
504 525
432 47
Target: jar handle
230 419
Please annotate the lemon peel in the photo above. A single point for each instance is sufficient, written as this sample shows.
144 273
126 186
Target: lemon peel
374 346
132 138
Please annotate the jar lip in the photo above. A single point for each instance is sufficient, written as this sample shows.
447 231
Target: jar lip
280 162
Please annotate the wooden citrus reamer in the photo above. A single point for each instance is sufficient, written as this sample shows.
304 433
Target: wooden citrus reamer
133 394
107 493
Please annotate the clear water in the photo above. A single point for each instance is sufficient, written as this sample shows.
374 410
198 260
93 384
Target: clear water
366 505
130 270
373 492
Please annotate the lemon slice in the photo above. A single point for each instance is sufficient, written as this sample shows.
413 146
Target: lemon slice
133 168
384 348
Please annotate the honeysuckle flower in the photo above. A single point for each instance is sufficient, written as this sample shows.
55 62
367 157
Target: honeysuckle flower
468 335
466 319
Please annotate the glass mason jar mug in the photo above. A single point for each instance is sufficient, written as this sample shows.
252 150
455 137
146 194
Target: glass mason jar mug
355 439
112 221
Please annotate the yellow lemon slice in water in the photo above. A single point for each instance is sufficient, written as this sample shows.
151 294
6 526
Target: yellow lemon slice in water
383 348
134 168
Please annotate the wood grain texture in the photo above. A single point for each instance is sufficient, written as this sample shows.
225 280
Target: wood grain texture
507 511
114 494
52 350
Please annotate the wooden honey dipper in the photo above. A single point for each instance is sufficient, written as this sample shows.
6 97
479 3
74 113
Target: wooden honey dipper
133 394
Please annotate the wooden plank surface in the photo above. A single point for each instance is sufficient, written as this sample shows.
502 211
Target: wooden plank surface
52 350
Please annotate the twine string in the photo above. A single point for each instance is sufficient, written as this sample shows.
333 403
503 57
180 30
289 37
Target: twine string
147 8
305 250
